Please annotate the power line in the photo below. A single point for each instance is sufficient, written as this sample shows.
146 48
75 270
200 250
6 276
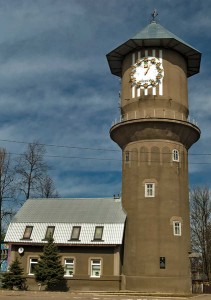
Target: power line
98 149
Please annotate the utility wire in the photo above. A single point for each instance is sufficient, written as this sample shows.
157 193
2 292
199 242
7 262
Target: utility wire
95 149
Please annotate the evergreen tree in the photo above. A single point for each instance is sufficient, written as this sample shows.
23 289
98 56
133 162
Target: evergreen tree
14 278
49 270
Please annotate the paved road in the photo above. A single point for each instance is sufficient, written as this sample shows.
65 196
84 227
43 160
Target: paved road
13 295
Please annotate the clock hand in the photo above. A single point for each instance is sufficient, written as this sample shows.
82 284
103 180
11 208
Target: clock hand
146 71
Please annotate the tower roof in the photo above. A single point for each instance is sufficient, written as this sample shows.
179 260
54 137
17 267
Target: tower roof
155 35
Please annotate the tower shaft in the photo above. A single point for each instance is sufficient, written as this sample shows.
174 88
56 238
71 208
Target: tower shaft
155 135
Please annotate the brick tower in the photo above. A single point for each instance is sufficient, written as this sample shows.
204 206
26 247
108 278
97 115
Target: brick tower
155 133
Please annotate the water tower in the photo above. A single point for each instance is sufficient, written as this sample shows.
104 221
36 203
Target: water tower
155 134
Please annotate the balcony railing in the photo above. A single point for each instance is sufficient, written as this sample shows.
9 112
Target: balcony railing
154 113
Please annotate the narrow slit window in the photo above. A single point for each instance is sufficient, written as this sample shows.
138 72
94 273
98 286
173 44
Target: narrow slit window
75 233
98 233
27 232
127 156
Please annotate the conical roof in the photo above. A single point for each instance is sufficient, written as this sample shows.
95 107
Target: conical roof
154 35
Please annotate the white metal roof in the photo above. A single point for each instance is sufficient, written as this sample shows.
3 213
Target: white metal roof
64 214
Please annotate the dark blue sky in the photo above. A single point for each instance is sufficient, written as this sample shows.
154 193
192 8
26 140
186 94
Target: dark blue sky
56 87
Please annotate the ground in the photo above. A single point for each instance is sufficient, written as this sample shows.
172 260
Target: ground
27 295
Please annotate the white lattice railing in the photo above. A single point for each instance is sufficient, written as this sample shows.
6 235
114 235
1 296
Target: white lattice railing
154 113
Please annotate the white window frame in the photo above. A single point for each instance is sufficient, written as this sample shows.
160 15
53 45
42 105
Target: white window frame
31 262
149 189
95 267
69 262
177 228
175 155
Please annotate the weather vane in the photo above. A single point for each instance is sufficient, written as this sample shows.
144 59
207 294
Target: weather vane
154 15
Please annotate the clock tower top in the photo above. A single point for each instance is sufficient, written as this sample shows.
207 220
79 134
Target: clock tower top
154 35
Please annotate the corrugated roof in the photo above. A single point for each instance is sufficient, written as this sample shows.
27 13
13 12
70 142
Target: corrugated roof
112 233
155 35
58 210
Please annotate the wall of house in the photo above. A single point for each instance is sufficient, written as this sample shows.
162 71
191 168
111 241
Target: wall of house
82 278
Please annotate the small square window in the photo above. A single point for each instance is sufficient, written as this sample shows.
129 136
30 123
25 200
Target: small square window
75 233
27 232
49 232
149 190
177 230
32 264
98 233
69 266
175 155
95 268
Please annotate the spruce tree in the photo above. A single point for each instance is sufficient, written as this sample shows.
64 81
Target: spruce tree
14 278
49 270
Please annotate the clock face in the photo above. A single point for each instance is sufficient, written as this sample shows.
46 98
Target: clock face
147 72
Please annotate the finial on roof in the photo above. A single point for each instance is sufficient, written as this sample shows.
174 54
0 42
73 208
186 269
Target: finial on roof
154 15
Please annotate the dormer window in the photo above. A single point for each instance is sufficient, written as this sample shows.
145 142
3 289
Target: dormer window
98 233
75 233
175 155
49 232
27 232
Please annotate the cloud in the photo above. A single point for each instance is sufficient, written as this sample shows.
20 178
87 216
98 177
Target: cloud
56 86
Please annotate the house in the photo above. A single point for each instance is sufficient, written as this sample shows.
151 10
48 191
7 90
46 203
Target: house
88 233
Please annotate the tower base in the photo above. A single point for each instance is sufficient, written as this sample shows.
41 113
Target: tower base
162 285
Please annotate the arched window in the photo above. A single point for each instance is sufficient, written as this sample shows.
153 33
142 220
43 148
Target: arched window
175 155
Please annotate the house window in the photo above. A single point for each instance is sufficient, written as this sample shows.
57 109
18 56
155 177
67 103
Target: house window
175 155
27 232
69 267
149 190
32 264
98 233
177 228
75 233
95 268
49 232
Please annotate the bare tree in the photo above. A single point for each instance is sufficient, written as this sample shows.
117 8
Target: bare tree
31 169
47 188
200 204
7 191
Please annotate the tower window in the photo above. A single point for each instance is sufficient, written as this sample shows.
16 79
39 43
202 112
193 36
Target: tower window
177 230
149 190
127 156
175 155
